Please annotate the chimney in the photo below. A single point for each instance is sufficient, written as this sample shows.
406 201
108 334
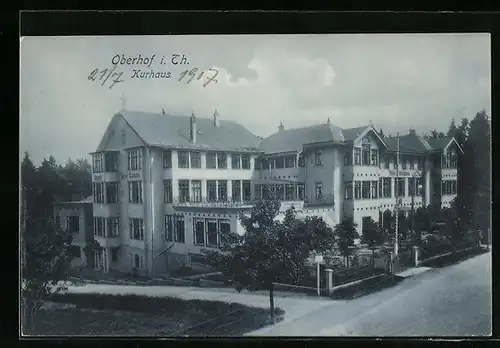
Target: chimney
163 111
216 118
281 127
192 128
412 131
328 121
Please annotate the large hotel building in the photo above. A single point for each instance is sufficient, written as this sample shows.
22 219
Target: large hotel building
163 185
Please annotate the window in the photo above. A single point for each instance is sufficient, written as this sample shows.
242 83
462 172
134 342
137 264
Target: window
183 159
99 227
290 162
179 229
98 193
301 191
183 191
167 159
404 163
348 189
135 192
374 157
257 163
247 190
317 159
411 186
224 226
112 192
400 187
258 191
385 187
386 162
199 231
449 187
235 161
366 155
374 189
357 189
421 164
137 263
280 192
420 182
211 190
290 192
113 227
169 233
167 190
271 164
280 162
319 190
348 159
449 159
97 163
365 189
195 159
236 190
114 254
212 235
301 161
221 160
245 162
222 190
264 163
73 223
196 190
412 163
111 162
357 156
135 159
211 160
136 228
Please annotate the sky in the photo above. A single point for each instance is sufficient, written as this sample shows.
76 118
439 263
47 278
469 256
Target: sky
394 81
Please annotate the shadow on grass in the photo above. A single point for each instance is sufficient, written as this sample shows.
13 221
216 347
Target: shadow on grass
129 315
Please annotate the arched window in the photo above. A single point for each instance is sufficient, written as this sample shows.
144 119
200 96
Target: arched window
136 261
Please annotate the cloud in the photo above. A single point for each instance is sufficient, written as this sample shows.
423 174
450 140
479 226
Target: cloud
395 81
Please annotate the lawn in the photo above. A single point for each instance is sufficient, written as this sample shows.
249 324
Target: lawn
131 315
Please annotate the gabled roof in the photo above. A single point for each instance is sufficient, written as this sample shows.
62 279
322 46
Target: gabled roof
440 144
351 134
294 139
411 143
166 130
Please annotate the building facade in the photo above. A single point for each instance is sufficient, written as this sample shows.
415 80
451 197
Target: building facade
164 185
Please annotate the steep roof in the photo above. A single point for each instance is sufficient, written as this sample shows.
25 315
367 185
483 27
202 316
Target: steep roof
411 143
439 143
350 134
173 131
294 139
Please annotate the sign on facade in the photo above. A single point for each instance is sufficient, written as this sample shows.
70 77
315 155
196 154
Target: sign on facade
405 173
318 258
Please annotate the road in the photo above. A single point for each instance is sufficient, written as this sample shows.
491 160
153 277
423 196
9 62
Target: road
448 301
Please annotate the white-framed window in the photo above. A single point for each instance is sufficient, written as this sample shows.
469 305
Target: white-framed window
319 190
374 157
317 159
385 187
222 190
348 158
98 192
365 154
167 191
196 190
167 159
357 189
247 190
195 157
280 192
290 162
199 231
98 163
357 156
290 192
221 160
135 159
183 159
258 191
179 229
279 162
112 192
183 190
236 190
374 189
212 190
400 187
99 227
111 162
113 227
212 232
245 161
365 189
136 261
348 190
301 192
449 187
136 228
135 192
236 161
169 231
211 159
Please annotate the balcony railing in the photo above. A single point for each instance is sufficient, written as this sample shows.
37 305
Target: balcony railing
325 200
319 201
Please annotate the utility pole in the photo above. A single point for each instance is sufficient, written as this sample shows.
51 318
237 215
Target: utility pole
396 207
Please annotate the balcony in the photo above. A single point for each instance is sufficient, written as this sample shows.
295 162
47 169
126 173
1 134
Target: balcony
108 242
324 200
206 203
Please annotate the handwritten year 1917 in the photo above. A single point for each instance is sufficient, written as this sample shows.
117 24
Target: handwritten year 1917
105 74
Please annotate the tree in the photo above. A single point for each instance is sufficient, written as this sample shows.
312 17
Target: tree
46 259
345 234
373 236
422 222
269 251
452 129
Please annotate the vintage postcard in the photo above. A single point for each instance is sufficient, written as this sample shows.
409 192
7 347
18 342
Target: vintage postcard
256 185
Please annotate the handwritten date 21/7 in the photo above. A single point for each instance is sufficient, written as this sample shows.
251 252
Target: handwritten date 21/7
106 74
196 73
